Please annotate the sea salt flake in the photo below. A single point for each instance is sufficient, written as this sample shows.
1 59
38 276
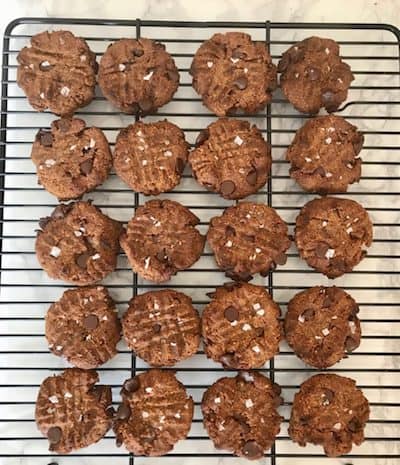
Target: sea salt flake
156 306
121 67
235 60
330 253
256 349
173 344
307 159
58 348
96 256
168 153
73 147
296 75
55 252
258 250
53 399
328 140
44 64
50 410
318 337
301 319
228 244
149 390
85 301
325 331
246 70
177 415
260 312
249 378
234 323
145 415
68 395
253 257
248 216
221 427
41 95
83 57
331 129
146 262
92 143
340 80
49 162
349 230
256 306
217 400
148 76
248 403
238 140
334 317
144 162
105 318
324 224
65 91
246 327
350 166
139 133
317 157
31 66
327 51
82 229
210 64
337 426
352 327
328 174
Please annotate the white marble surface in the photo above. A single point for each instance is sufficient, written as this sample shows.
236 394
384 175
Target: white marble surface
377 272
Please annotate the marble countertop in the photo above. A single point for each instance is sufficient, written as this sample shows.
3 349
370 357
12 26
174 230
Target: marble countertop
377 305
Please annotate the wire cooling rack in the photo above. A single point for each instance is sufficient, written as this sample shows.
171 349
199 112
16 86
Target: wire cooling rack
373 105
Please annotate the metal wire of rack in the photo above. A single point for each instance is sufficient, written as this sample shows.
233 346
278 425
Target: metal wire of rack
373 51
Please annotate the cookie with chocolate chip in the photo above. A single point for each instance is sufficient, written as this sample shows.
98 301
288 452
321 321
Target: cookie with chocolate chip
248 238
321 325
161 239
241 327
332 235
155 413
240 414
324 155
72 411
83 327
314 76
150 157
138 75
232 72
231 158
57 71
71 159
329 410
78 243
162 327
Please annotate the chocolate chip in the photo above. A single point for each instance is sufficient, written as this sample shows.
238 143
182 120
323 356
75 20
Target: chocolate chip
284 62
319 171
110 411
146 104
358 143
228 360
320 250
241 83
231 286
64 124
131 384
91 322
252 450
308 314
157 328
86 167
82 260
230 231
118 441
249 237
281 259
276 388
137 52
354 425
161 256
313 73
242 422
304 420
227 187
327 302
259 332
238 54
211 295
45 138
357 234
54 435
173 75
123 412
265 273
251 177
350 344
43 222
327 397
60 211
231 314
328 97
180 165
239 276
45 66
134 108
202 137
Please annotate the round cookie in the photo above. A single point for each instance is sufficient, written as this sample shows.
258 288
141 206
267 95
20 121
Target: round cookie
83 327
138 76
240 414
78 243
155 413
161 239
324 155
332 234
321 325
71 159
231 158
162 327
151 157
248 238
57 71
231 72
71 411
329 411
241 327
313 75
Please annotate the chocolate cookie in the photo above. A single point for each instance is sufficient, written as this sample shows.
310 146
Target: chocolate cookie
71 159
324 155
155 413
138 76
321 325
83 327
162 327
332 234
71 411
240 326
231 72
231 158
161 239
57 71
240 414
329 411
151 157
313 75
78 243
248 238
